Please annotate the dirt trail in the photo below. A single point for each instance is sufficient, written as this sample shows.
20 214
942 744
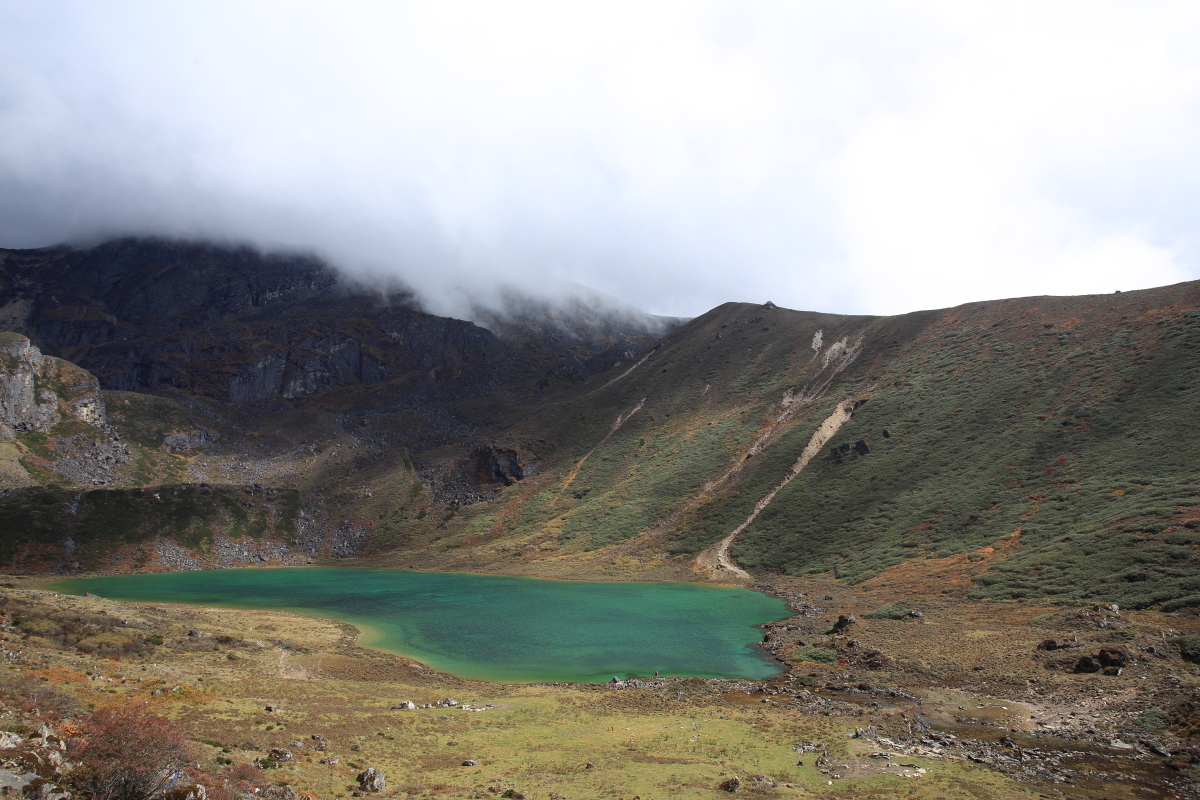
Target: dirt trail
715 558
839 356
631 369
621 420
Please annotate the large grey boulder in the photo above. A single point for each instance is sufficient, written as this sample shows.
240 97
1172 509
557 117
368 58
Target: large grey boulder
372 780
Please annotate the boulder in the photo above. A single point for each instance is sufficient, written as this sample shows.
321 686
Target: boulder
405 705
9 740
734 784
191 791
844 621
1086 664
470 762
372 780
280 754
1112 657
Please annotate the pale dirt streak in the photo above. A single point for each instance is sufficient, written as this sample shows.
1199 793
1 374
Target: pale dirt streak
836 360
626 372
715 558
621 420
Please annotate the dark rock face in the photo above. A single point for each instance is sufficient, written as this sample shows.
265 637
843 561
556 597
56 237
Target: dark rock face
1087 664
128 288
238 325
503 466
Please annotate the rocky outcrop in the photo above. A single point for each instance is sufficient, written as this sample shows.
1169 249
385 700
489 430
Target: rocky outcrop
503 466
372 780
37 391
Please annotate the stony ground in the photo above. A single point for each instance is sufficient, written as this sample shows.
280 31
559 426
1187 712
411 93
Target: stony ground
957 701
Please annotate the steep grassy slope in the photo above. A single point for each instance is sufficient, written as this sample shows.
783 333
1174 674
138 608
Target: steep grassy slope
1059 428
1067 424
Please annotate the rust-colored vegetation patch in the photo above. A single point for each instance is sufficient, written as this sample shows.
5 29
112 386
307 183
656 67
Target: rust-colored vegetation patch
918 577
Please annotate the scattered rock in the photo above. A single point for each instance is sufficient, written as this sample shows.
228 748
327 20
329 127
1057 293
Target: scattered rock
280 754
405 705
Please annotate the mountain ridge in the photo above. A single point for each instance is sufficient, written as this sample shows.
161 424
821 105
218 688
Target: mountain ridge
528 465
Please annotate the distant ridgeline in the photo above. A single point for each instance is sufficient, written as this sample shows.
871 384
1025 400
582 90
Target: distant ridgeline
1029 448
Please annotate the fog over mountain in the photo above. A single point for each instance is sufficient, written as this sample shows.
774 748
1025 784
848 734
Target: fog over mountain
867 159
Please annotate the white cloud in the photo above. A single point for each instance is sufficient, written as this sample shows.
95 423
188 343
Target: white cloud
872 157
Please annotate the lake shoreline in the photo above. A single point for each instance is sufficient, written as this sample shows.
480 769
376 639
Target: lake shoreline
601 624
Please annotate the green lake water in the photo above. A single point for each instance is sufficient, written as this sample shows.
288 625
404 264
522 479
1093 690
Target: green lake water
495 628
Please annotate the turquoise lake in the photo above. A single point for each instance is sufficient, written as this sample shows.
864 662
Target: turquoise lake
495 628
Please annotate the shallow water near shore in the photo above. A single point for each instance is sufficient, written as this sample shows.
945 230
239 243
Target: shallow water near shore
491 627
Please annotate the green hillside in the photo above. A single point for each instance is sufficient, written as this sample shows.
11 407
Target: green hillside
1062 427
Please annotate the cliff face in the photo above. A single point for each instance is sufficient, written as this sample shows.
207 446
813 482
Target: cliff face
240 326
37 391
130 288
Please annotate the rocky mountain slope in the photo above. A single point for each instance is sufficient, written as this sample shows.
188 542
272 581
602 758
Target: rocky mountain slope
1025 448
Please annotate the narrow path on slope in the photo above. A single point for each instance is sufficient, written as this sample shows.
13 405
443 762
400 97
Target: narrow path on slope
631 369
715 558
621 420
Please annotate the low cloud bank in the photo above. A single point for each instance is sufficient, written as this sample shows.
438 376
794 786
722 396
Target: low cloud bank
874 159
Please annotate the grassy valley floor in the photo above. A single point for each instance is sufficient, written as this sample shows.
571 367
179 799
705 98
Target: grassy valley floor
956 701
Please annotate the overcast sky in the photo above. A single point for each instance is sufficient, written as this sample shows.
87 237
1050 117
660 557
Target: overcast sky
860 157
